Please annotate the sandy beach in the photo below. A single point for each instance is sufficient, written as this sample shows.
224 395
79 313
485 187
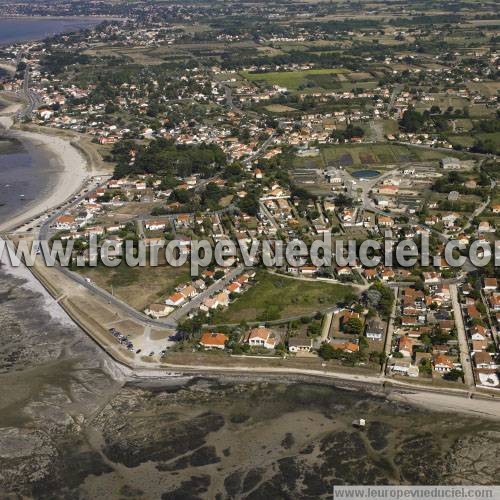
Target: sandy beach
451 404
12 106
8 67
69 180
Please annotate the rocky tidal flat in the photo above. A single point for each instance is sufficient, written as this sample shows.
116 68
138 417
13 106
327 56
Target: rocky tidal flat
72 427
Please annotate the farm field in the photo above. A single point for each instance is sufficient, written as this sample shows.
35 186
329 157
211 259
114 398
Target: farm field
277 297
367 154
292 80
279 108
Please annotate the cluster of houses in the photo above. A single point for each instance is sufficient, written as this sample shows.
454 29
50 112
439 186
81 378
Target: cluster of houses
339 336
481 327
230 292
426 342
260 337
185 292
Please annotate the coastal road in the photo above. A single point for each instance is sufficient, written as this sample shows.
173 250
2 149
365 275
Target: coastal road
92 183
116 302
462 338
33 100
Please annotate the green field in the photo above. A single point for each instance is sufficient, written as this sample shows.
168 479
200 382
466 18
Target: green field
278 297
137 286
368 154
279 108
292 80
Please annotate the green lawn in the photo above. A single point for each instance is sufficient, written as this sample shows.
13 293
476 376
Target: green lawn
467 141
278 297
289 79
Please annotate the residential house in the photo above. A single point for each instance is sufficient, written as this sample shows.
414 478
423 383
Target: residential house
495 302
176 299
157 310
442 363
369 273
212 340
385 221
490 284
479 345
261 337
479 333
300 344
155 225
483 360
375 329
431 278
65 223
406 346
473 313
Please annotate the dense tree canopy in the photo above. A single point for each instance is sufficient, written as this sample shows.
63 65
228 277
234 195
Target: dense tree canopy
162 156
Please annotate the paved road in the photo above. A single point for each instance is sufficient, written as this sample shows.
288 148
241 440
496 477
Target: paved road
89 185
140 228
169 322
211 290
33 100
260 151
229 100
268 215
327 323
116 302
390 329
462 337
395 92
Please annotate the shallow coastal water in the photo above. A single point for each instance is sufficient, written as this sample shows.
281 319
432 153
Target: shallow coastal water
25 175
21 29
72 427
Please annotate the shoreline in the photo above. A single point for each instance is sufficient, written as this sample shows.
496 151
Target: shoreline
427 398
69 180
432 399
9 68
13 104
88 21
69 18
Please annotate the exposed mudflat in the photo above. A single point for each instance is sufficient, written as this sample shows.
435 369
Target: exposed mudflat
71 428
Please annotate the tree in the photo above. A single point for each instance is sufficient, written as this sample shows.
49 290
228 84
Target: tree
250 204
327 351
354 326
314 329
412 121
454 375
363 343
218 274
182 195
